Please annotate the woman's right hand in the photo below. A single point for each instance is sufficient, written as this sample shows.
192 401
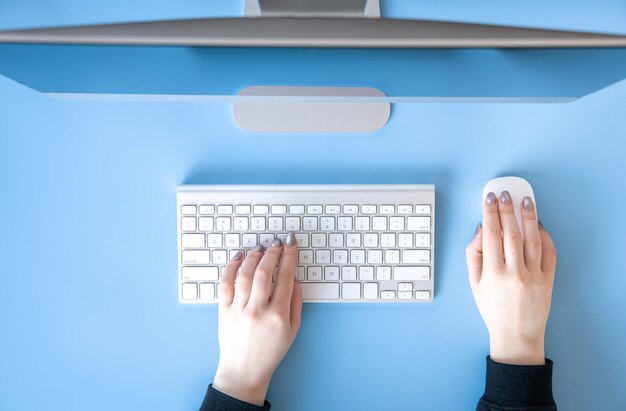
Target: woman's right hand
512 280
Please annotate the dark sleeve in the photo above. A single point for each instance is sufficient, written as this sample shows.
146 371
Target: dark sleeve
517 388
215 400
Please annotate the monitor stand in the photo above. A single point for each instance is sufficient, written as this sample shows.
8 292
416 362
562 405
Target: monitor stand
285 114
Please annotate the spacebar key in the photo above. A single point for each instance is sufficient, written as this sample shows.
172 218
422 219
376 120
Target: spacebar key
320 291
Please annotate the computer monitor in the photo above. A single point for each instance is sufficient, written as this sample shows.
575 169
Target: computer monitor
328 49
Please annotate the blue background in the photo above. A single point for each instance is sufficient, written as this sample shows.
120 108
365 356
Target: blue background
88 304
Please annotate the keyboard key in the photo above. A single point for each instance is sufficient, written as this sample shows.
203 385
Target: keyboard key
379 223
405 295
190 291
327 223
333 209
322 256
260 209
224 209
357 256
215 240
292 223
353 240
207 209
374 256
361 223
331 273
418 223
266 239
232 240
279 209
318 240
340 256
305 257
348 273
422 295
309 223
370 291
207 291
368 209
405 240
405 209
387 240
320 291
296 209
351 209
192 240
370 240
275 223
388 295
188 224
190 257
392 256
222 223
366 273
396 223
205 224
188 210
387 209
422 240
351 291
383 273
200 274
335 240
422 209
242 209
415 256
249 240
257 223
314 209
300 273
314 274
411 273
405 287
240 223
303 240
344 223
219 257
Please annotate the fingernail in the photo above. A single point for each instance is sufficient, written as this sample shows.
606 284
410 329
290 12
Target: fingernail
290 240
505 197
259 248
540 225
491 198
527 203
478 227
238 256
277 243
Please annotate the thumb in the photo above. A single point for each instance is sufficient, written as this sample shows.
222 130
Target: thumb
474 256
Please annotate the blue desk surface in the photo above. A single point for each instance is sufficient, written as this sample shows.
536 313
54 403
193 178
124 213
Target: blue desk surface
88 307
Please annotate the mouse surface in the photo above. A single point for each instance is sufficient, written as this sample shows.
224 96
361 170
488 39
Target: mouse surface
517 187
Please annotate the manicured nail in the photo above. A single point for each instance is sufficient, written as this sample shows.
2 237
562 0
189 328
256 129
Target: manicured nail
527 203
478 228
277 243
290 240
505 197
238 255
540 225
491 198
258 248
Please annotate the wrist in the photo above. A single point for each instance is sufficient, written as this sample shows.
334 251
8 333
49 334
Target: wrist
242 387
517 351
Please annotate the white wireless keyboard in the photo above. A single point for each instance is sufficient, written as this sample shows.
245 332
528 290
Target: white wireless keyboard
357 243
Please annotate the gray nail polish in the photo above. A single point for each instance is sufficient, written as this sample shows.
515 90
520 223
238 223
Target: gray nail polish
540 225
478 227
290 240
259 248
238 256
527 203
491 198
505 197
277 243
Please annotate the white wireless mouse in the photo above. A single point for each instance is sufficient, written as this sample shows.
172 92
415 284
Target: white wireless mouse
517 187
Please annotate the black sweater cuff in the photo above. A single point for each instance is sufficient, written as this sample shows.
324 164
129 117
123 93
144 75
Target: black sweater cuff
517 387
215 400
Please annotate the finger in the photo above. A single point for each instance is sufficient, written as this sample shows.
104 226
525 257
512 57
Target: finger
226 290
474 256
283 288
548 253
492 233
511 234
246 272
295 314
532 239
262 282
